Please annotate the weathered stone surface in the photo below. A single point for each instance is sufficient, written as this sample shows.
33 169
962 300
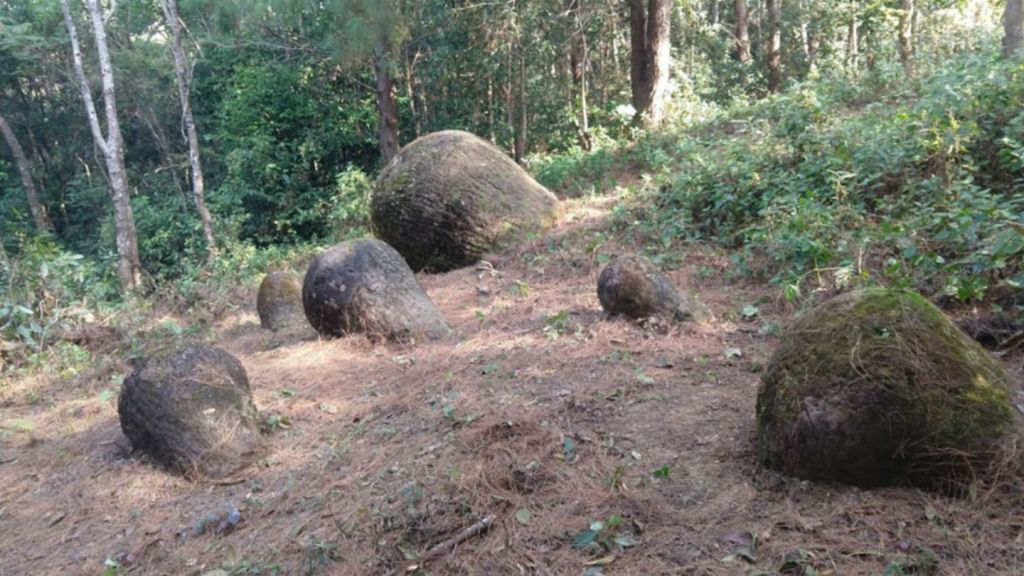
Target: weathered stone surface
192 410
634 287
364 286
279 302
449 197
876 387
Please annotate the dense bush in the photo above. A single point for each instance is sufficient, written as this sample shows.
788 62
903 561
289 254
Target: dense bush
918 191
283 138
46 289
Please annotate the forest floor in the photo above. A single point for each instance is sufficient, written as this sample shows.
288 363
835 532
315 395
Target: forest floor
541 412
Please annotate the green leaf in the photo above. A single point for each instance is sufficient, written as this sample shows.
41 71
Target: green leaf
585 539
569 448
625 540
448 411
18 425
749 311
644 378
524 516
407 550
661 472
287 393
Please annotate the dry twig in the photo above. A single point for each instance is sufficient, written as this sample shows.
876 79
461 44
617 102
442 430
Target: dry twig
446 546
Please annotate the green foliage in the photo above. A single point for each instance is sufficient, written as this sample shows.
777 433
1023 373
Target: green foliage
284 100
350 204
46 289
287 142
920 194
604 536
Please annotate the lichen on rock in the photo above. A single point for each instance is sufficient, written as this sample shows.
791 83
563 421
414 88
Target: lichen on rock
877 387
449 197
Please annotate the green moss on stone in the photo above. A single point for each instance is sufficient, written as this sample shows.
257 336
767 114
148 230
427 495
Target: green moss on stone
876 386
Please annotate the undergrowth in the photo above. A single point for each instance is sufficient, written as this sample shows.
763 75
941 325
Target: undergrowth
919 188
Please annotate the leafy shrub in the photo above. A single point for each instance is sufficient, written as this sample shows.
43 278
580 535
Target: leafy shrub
923 193
350 204
46 289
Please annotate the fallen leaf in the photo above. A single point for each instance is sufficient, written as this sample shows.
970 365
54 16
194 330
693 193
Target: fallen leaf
408 552
57 518
524 516
603 561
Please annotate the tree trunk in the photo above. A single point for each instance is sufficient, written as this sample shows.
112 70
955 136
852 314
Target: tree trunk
774 45
650 57
805 32
410 91
907 36
741 43
521 132
129 267
183 77
578 58
1013 25
387 107
25 170
148 116
517 56
852 43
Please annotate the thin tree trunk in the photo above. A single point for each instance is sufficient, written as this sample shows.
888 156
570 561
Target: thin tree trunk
1013 26
907 36
805 31
650 58
162 143
852 43
741 43
129 267
578 64
510 95
490 105
774 45
517 56
759 24
521 132
410 92
638 58
25 171
387 107
181 72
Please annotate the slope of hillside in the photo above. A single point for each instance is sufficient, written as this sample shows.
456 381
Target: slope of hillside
540 412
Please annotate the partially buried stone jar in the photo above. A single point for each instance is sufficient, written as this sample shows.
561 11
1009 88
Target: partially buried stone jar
877 387
449 197
634 287
191 410
279 302
364 286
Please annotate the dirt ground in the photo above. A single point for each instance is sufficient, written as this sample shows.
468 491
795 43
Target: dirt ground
540 412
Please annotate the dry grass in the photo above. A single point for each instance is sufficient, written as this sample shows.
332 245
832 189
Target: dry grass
539 403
